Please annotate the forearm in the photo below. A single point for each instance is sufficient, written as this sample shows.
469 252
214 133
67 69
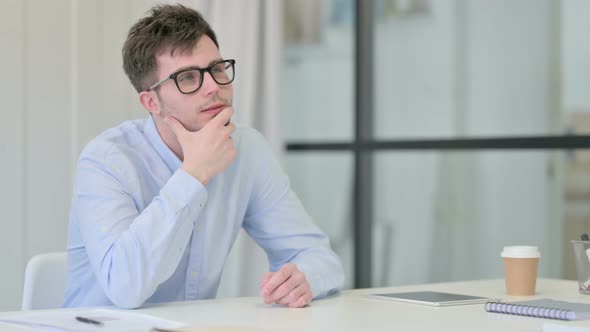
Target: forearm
144 256
133 253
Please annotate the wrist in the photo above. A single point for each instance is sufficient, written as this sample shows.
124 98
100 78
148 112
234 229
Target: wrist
200 176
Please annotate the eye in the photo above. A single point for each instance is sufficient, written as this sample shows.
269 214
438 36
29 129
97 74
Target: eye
188 76
219 68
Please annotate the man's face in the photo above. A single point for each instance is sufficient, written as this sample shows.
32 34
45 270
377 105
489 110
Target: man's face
198 108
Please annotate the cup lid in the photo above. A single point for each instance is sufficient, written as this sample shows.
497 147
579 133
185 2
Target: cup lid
521 252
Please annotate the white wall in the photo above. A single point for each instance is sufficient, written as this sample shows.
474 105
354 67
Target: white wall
63 84
12 156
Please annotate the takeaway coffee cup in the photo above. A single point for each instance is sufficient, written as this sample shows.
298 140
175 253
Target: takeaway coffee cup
521 264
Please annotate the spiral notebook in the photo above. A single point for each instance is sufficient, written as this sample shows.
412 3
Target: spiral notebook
543 308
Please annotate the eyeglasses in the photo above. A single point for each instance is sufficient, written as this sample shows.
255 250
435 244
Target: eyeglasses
191 79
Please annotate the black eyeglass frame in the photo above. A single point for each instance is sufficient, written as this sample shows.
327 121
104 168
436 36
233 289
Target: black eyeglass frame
202 71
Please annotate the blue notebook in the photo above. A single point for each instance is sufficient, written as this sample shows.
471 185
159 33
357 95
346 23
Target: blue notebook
543 308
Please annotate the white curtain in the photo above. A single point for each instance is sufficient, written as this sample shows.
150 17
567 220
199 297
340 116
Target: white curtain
250 32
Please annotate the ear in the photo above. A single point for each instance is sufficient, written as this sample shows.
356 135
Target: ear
150 101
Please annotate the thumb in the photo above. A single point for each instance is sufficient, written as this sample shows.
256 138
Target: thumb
177 127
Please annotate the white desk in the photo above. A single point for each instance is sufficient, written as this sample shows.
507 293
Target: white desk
352 311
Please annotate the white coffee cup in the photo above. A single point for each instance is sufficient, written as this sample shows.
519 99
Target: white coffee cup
521 264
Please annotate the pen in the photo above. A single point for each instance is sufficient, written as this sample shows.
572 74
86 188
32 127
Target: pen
88 321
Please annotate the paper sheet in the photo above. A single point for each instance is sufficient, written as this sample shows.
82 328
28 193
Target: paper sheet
112 321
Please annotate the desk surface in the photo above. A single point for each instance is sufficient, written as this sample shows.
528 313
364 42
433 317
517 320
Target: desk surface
352 311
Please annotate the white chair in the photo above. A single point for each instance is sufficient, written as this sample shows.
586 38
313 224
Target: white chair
45 281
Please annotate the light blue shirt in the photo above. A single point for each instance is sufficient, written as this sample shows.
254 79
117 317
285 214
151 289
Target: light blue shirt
143 231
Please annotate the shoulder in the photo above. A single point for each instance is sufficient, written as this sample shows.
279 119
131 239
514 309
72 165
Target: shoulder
255 152
120 140
253 148
248 138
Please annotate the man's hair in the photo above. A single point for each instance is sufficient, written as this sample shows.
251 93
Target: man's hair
165 28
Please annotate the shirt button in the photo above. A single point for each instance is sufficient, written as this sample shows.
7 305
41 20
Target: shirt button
194 274
197 228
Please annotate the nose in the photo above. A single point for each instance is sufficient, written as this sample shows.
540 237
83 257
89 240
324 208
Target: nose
209 85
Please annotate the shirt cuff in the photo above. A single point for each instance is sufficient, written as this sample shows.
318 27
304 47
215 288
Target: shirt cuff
183 191
315 281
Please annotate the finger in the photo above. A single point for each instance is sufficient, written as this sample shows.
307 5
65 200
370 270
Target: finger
177 127
230 128
223 117
265 278
283 290
297 279
231 148
304 300
293 296
277 279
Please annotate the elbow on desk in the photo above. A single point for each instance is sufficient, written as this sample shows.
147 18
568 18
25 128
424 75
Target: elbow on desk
125 293
125 299
126 285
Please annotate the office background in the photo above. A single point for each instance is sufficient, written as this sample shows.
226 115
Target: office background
441 69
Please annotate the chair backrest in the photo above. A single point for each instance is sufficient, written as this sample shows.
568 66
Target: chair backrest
45 281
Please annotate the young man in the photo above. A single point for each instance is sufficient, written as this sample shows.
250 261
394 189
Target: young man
159 202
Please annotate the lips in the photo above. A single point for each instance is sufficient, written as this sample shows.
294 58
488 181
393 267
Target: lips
214 108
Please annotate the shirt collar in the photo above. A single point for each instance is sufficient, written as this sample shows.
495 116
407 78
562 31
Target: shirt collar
151 133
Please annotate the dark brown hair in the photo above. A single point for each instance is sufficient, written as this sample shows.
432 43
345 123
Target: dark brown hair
165 28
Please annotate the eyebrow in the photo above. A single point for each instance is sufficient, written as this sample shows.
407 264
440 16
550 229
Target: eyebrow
197 67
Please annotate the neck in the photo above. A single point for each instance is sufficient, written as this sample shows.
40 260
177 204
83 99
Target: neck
169 138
